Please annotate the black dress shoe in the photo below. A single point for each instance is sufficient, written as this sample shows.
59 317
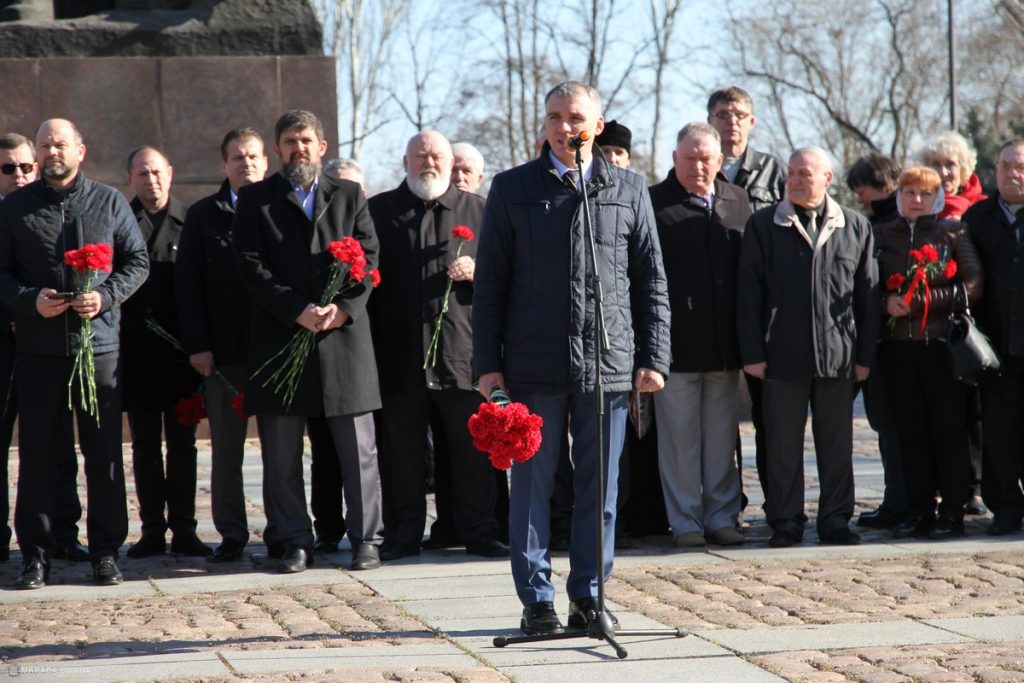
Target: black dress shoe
323 545
879 518
975 507
540 618
389 553
228 551
582 612
366 556
914 526
72 552
487 547
147 546
1003 526
436 542
33 575
105 572
841 536
295 560
189 545
946 528
784 539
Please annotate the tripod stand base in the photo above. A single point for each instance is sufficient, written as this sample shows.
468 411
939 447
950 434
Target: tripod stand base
595 631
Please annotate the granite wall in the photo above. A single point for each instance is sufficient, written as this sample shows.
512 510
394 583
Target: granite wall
183 105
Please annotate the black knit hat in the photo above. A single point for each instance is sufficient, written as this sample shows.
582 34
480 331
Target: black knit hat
614 134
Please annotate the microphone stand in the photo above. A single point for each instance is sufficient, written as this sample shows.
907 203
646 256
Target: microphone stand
600 626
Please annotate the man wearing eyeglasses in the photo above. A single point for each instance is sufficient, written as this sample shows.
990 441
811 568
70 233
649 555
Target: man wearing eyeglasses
731 113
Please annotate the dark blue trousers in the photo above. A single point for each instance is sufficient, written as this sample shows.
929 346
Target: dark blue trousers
533 481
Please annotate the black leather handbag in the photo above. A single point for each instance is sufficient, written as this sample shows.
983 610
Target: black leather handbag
970 351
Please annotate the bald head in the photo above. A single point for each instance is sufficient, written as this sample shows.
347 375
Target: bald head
428 163
149 175
810 174
59 151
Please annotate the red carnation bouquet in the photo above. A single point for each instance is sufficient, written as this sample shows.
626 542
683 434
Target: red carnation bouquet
191 410
924 264
87 262
508 432
348 269
461 234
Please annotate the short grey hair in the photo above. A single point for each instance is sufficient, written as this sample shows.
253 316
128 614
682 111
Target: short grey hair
700 129
955 145
468 151
813 151
573 89
343 165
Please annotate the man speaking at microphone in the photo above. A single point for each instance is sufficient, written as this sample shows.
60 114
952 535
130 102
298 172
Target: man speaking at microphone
533 333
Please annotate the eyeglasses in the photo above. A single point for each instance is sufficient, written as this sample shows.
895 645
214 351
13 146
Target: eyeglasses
726 115
8 169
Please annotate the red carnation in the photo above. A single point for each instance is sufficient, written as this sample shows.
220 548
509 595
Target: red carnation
507 433
930 254
346 250
190 411
90 257
375 277
895 281
916 255
950 270
462 232
238 405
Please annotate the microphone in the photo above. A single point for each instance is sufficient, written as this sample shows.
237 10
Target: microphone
577 141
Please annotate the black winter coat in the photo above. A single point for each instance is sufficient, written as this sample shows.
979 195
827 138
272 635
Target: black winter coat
285 265
1000 313
37 225
154 374
533 314
701 252
416 249
213 305
808 312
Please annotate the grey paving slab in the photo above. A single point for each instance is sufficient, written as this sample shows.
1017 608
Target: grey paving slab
464 607
585 650
992 629
488 585
830 637
255 661
731 669
141 668
56 591
430 566
250 581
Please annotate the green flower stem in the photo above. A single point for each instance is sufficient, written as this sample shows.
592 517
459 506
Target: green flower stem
84 367
430 360
158 329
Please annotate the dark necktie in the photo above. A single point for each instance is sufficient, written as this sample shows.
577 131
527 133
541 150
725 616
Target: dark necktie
812 226
572 179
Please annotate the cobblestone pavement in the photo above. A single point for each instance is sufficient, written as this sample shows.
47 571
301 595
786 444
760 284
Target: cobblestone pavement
187 612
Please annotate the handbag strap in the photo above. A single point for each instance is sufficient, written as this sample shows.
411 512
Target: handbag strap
957 287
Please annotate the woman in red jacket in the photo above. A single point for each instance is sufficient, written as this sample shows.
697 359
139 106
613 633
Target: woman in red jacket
954 160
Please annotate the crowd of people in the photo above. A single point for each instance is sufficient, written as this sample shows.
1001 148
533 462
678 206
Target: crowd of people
735 265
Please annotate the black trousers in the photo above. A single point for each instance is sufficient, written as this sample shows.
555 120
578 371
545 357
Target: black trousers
325 498
46 443
443 528
785 415
157 488
403 443
755 387
930 407
1002 402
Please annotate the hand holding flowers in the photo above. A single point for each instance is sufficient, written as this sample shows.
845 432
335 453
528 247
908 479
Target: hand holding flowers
86 263
924 265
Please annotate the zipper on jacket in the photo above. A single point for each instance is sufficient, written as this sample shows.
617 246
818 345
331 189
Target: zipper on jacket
60 277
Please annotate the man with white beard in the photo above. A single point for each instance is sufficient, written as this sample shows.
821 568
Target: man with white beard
417 257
